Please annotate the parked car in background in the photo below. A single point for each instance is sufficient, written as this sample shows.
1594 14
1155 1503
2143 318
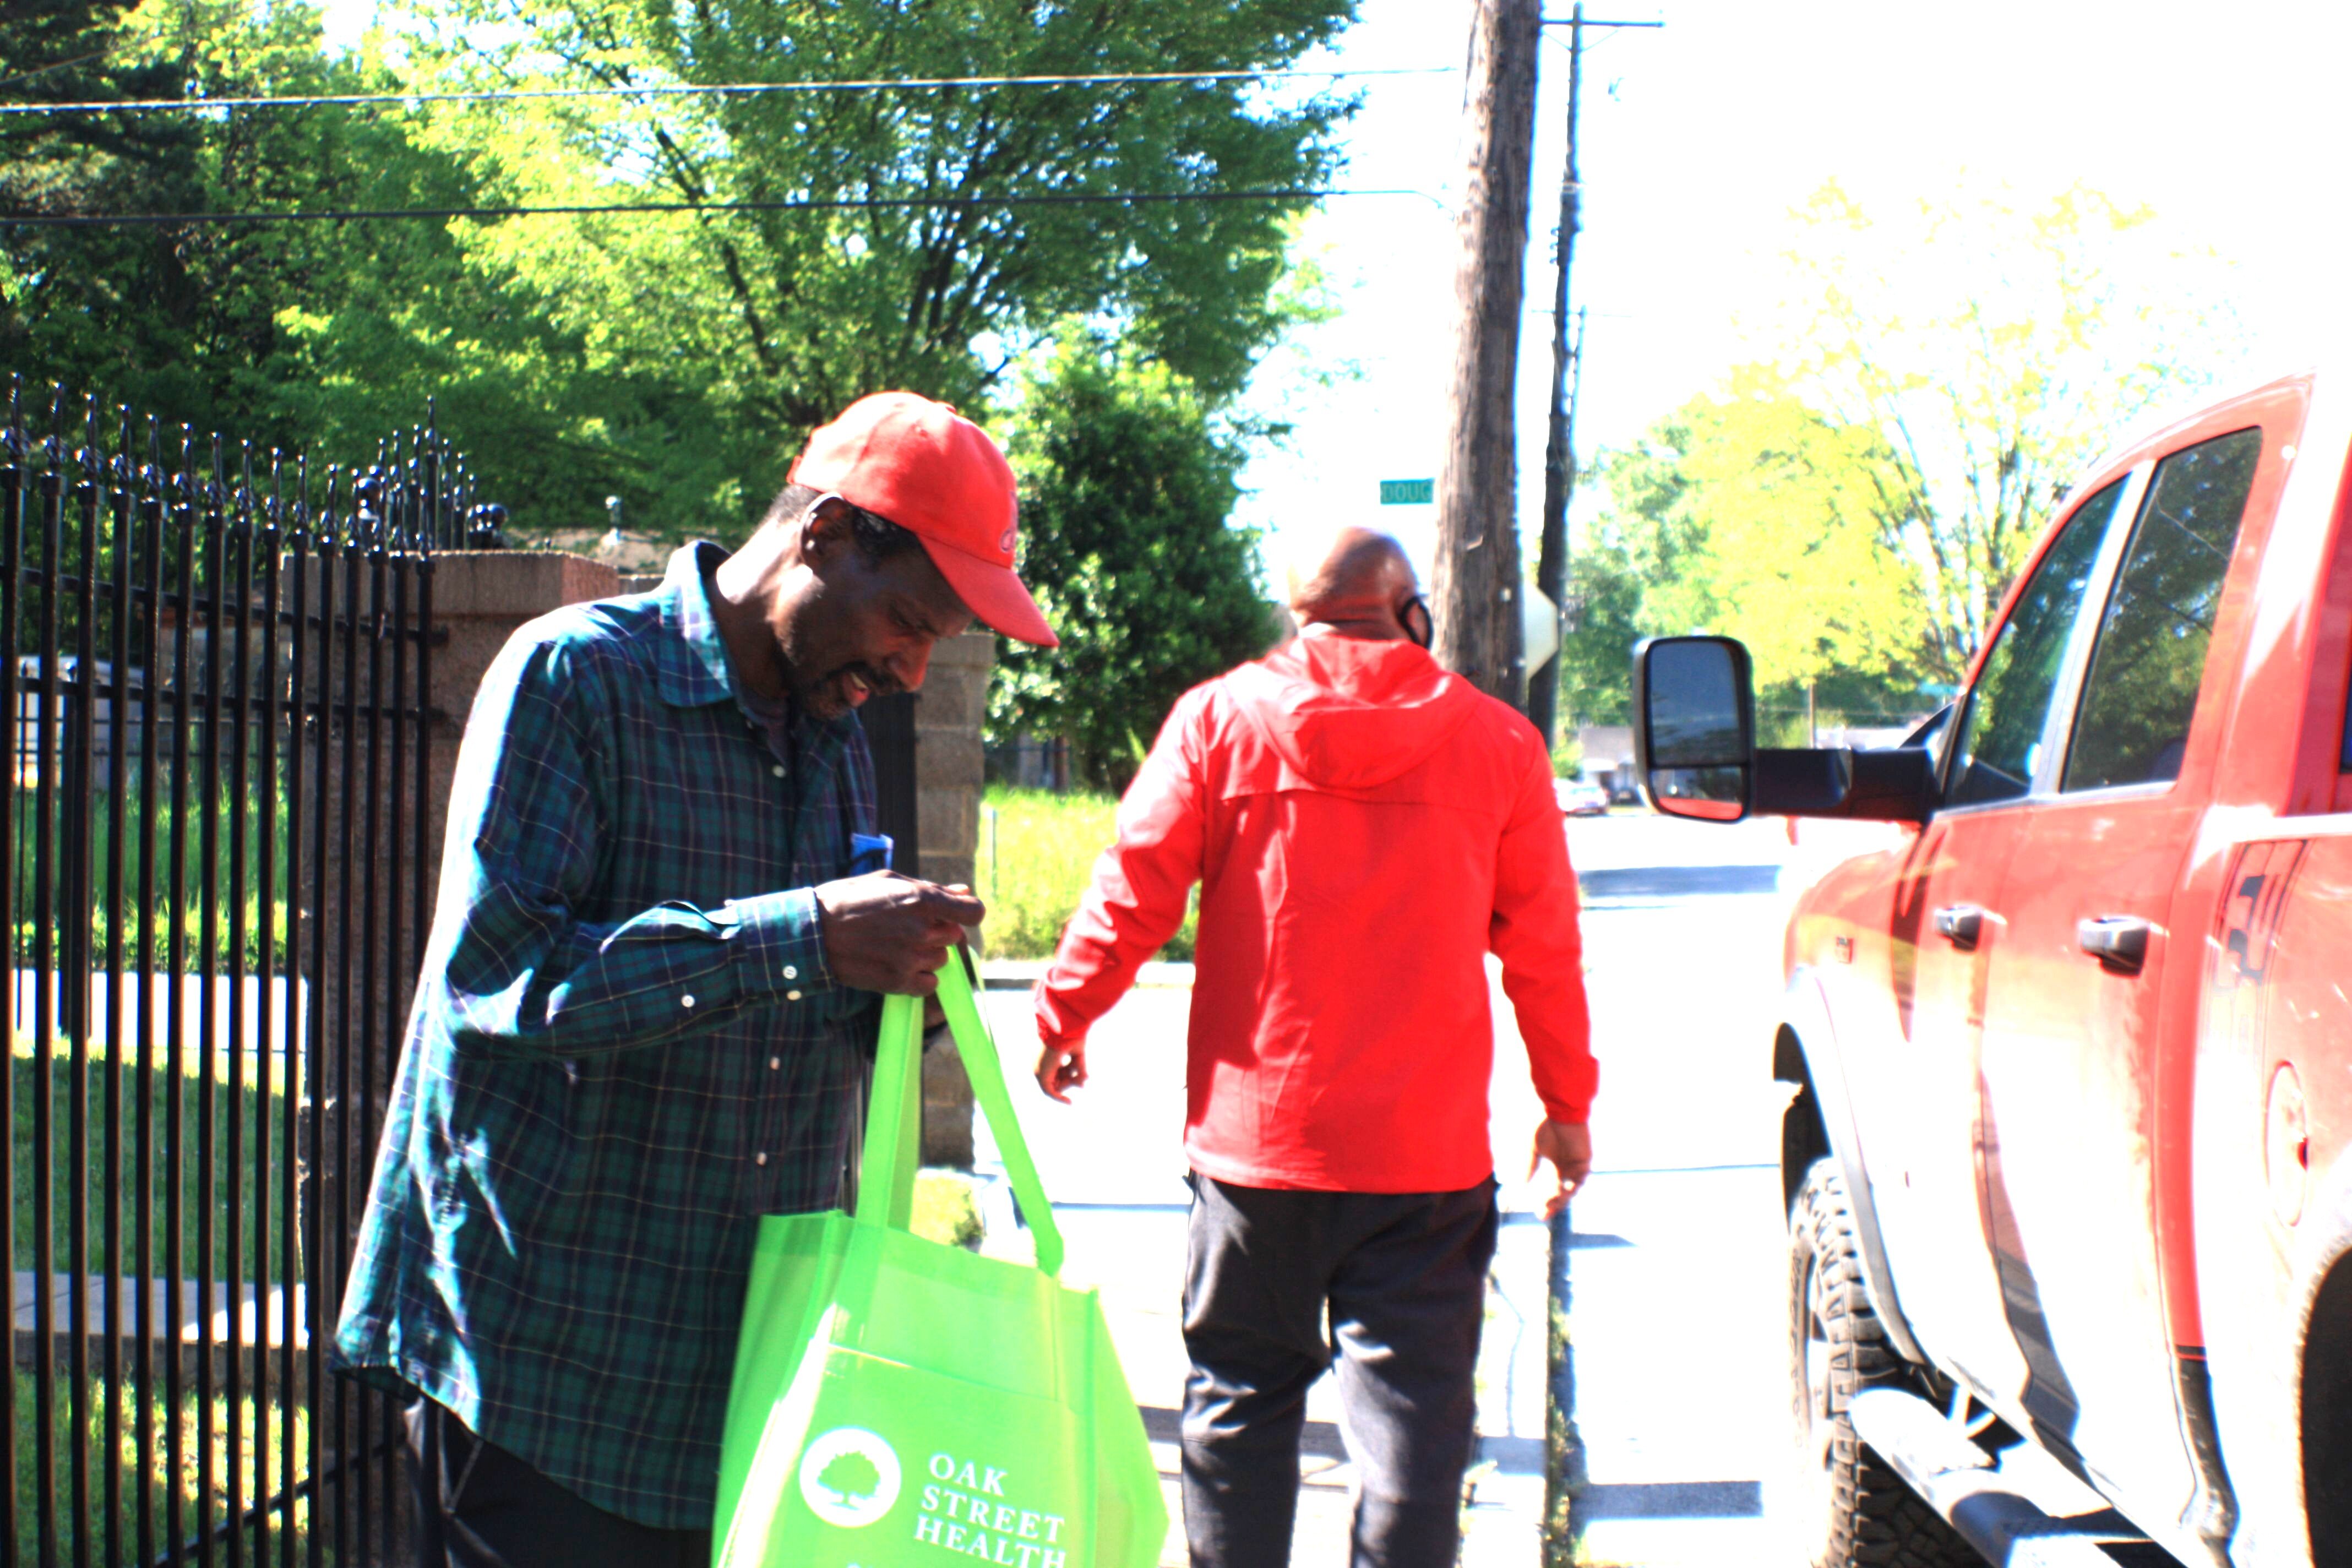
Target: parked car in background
2068 1158
1578 798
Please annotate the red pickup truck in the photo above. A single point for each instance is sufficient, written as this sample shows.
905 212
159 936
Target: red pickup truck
2066 1164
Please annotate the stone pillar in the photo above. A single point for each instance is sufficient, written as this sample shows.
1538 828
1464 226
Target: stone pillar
949 713
479 599
949 779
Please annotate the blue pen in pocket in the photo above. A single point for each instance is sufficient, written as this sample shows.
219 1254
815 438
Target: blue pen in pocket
868 852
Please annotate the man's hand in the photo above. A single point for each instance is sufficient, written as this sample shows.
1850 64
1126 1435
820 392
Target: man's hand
1569 1146
888 933
1061 1068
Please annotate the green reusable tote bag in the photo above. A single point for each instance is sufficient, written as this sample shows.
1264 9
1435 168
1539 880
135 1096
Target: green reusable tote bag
901 1404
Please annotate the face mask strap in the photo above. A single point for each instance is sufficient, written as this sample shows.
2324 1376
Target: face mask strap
1420 628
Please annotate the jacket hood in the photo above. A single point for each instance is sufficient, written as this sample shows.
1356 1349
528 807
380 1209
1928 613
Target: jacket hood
1352 713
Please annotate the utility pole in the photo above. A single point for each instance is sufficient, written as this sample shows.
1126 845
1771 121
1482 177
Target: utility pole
1559 452
1559 446
1475 584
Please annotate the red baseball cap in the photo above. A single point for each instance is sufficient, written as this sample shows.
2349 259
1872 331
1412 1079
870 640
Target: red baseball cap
936 474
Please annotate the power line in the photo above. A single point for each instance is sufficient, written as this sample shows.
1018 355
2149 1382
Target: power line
61 65
687 89
586 209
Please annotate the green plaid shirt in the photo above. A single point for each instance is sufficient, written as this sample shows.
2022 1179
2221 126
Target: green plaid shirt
625 1048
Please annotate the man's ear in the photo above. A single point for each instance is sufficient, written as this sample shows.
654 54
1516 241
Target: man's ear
823 531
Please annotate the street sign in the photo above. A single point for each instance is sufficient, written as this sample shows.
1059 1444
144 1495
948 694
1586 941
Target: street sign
1538 627
1408 493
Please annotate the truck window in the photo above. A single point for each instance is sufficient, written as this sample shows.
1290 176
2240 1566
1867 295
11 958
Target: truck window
2141 693
2001 738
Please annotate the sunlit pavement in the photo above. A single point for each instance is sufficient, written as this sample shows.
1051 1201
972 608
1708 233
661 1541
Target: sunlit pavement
1677 1269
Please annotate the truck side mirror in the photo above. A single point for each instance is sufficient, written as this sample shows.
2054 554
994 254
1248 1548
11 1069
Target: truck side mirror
1694 726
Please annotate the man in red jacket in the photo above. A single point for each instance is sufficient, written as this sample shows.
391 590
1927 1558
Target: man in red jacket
1365 829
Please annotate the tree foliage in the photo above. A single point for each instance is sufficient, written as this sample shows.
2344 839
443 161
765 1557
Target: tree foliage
952 228
1748 513
678 359
1855 505
320 335
1996 348
1127 481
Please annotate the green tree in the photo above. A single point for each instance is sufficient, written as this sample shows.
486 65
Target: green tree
1604 591
1995 349
678 360
1748 513
323 336
1127 481
988 225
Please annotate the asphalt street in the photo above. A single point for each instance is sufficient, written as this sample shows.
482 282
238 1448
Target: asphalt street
1677 1270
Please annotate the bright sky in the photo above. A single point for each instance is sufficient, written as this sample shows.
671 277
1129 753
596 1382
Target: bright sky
1697 139
2231 123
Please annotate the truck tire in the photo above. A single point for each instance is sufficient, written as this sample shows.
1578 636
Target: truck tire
1854 1511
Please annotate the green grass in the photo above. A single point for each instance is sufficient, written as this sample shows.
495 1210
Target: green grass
257 1256
1035 864
283 1430
265 908
944 1209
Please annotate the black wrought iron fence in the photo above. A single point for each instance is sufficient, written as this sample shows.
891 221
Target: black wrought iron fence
214 863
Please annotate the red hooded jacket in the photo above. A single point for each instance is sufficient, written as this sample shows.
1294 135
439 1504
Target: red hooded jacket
1365 829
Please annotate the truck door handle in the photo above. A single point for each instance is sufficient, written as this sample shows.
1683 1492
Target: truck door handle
1960 924
2119 941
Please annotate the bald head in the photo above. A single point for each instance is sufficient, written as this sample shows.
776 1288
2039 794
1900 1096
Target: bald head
1352 581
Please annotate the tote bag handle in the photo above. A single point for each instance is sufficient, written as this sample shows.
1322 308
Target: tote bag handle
886 1176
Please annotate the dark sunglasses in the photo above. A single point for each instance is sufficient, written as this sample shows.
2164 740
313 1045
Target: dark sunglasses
1419 625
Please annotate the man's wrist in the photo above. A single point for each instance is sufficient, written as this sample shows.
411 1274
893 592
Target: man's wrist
778 944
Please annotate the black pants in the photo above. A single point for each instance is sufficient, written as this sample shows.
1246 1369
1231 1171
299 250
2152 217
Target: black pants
1402 1279
480 1507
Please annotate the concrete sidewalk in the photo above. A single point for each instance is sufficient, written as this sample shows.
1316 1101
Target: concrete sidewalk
1114 1165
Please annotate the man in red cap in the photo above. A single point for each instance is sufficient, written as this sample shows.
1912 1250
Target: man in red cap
649 994
1365 829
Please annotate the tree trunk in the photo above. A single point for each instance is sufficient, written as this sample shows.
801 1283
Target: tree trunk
1475 585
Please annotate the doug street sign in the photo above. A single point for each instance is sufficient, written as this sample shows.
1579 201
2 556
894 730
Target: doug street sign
1408 493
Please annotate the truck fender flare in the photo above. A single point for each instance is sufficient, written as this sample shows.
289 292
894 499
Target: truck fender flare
1818 1067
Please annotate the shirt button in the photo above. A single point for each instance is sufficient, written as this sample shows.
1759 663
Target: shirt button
685 1001
792 972
792 995
775 1064
761 1158
778 769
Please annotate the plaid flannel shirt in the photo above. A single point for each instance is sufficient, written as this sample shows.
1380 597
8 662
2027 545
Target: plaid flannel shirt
625 1048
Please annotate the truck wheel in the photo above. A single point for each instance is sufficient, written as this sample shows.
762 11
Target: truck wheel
1854 1511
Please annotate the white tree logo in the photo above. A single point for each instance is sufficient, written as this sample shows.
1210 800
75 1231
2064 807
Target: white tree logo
849 1476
